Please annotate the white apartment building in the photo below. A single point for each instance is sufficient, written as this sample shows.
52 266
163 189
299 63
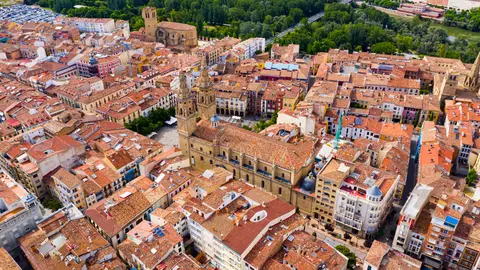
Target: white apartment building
304 120
250 46
19 212
362 203
462 4
406 240
101 25
228 223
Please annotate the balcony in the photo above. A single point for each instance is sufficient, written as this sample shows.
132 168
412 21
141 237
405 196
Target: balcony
222 157
236 162
282 179
352 191
250 167
264 173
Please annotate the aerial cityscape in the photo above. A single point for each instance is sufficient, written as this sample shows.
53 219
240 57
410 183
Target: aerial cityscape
246 135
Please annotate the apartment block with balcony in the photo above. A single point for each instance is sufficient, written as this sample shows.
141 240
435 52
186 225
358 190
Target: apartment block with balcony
364 199
409 217
236 221
329 180
19 212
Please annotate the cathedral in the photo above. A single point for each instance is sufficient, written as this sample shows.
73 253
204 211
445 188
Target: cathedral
171 34
276 166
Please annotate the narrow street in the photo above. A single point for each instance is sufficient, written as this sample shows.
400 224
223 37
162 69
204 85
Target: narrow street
359 251
412 170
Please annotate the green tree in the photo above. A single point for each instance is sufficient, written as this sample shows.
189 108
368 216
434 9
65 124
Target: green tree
296 14
352 258
384 47
472 178
404 43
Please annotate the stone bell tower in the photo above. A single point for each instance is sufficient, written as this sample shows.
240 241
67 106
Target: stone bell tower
206 102
149 15
185 114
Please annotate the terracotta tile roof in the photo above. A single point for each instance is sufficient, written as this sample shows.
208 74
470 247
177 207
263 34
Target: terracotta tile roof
7 262
122 213
180 260
68 179
57 144
282 154
80 238
376 253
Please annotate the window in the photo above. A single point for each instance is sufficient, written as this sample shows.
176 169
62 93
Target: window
263 184
247 177
201 158
211 162
280 190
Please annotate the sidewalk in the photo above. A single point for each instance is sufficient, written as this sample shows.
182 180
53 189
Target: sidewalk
355 244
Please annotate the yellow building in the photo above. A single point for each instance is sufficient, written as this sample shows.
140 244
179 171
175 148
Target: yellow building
328 182
276 166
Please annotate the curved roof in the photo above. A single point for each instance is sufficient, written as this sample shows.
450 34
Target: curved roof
374 191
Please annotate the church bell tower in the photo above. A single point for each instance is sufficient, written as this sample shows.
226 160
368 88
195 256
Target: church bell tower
206 102
185 114
149 15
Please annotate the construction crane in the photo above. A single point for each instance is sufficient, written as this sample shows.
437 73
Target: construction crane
339 132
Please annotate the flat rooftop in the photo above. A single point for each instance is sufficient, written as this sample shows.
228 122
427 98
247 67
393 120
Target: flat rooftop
417 199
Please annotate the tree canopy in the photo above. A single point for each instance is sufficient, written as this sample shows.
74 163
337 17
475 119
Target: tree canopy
367 29
352 258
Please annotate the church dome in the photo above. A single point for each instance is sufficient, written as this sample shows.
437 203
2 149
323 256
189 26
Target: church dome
308 183
374 191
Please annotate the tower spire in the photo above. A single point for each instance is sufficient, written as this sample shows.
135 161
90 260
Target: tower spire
204 78
471 81
183 90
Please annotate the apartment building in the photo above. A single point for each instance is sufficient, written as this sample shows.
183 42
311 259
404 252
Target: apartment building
364 198
118 214
404 240
98 180
219 223
250 47
19 212
29 164
101 25
97 65
381 256
439 232
213 50
67 188
67 239
149 244
285 53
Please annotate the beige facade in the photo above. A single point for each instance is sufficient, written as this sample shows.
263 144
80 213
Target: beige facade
274 166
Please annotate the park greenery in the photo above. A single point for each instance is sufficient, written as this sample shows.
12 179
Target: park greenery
364 28
154 121
352 258
51 203
384 3
262 124
466 19
213 18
